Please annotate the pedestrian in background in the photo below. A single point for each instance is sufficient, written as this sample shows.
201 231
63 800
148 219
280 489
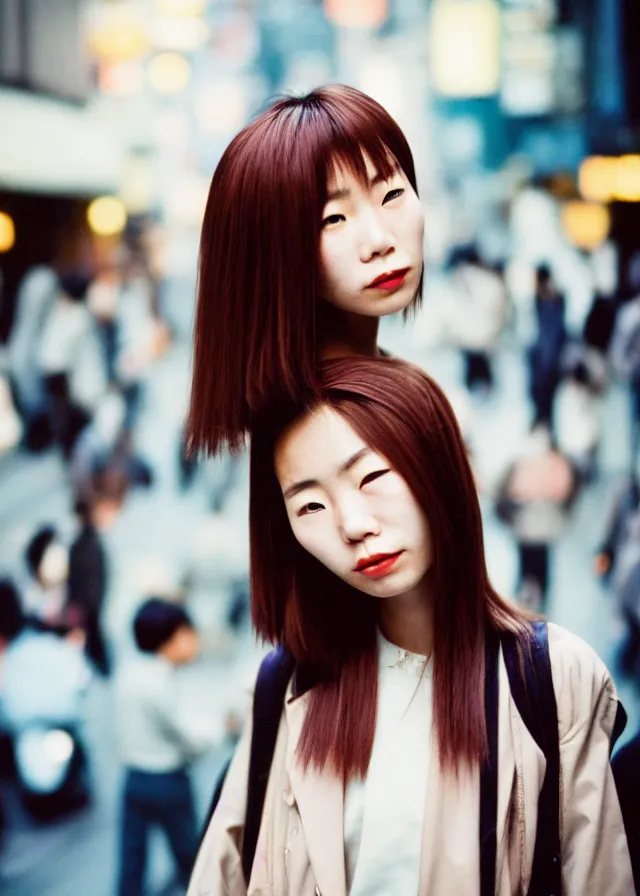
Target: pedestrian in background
97 510
546 351
158 741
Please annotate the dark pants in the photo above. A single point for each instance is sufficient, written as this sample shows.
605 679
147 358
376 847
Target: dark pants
155 799
95 647
534 566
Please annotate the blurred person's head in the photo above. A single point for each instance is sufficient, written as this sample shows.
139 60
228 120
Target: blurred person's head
47 558
310 206
164 628
11 614
544 279
357 503
75 285
103 497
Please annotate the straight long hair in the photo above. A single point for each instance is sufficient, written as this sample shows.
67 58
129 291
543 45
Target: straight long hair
330 627
257 293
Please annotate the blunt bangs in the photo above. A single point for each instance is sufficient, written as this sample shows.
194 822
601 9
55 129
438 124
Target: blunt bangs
257 317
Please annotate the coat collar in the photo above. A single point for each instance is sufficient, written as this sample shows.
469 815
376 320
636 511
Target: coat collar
320 799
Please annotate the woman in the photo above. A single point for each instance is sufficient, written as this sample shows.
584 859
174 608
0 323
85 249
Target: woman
368 566
312 231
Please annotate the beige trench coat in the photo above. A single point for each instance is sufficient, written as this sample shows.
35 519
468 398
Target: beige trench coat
300 850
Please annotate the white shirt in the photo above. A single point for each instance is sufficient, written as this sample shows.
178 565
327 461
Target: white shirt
383 816
158 731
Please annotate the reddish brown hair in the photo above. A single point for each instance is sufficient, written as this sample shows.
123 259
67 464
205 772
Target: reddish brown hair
255 327
330 627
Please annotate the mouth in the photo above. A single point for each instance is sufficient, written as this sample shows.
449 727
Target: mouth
390 280
377 565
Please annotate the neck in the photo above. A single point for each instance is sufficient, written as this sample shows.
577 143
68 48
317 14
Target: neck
407 620
343 333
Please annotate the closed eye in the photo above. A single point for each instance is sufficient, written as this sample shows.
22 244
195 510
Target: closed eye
370 477
393 194
311 507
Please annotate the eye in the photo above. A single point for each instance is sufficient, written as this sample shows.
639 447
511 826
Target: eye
332 219
311 507
370 477
393 194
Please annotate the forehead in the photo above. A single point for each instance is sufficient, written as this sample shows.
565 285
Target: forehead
362 167
315 447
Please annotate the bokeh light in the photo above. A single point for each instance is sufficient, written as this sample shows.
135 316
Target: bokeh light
7 232
169 73
117 32
465 47
107 216
586 224
356 13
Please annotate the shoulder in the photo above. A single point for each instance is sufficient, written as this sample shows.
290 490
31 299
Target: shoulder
582 683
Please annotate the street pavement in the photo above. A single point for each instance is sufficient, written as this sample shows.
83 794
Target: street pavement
166 538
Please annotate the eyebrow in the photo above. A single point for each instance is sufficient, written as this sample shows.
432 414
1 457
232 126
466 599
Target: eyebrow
378 178
298 487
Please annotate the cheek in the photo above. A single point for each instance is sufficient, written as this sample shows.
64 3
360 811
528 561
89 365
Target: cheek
318 540
332 260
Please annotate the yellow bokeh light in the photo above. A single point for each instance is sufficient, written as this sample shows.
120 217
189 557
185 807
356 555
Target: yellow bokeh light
586 224
7 232
169 73
465 47
180 7
597 178
117 33
107 216
603 178
356 13
628 186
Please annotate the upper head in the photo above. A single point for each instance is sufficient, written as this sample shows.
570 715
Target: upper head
47 558
310 203
103 496
164 628
378 466
544 279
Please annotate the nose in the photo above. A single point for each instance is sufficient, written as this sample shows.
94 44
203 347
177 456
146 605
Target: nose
376 240
356 522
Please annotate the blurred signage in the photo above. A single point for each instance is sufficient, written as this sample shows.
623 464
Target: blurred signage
465 48
54 147
41 47
542 65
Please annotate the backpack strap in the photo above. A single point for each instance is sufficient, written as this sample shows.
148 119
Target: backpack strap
271 686
531 684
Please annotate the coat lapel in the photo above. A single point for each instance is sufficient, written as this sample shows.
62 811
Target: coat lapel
320 800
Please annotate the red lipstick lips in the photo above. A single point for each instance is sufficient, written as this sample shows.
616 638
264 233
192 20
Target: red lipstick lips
390 280
377 565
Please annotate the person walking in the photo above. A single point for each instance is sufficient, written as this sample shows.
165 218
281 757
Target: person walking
159 739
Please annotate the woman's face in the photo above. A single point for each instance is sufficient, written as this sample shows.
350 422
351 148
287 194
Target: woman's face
371 242
349 508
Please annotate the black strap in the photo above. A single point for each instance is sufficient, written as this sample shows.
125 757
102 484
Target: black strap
535 699
271 685
489 770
